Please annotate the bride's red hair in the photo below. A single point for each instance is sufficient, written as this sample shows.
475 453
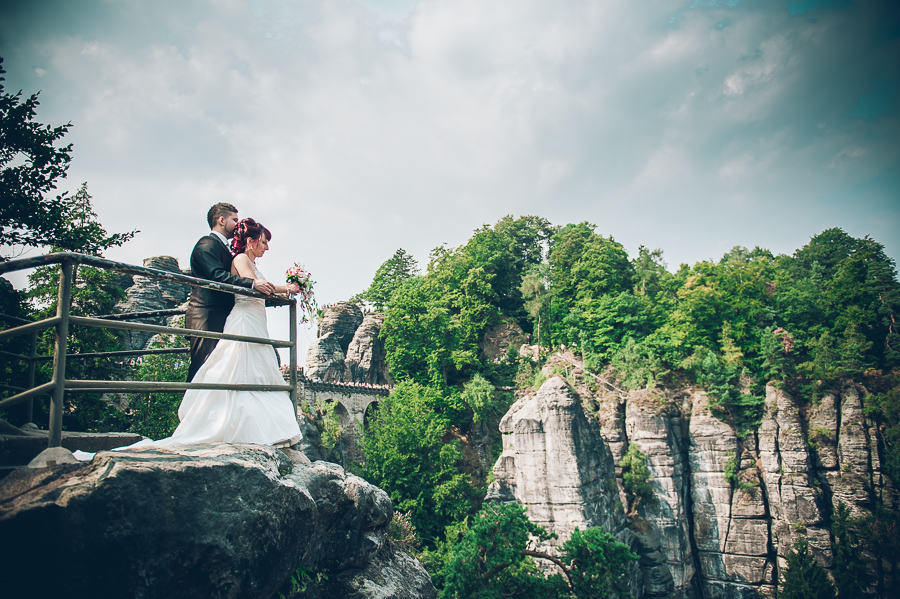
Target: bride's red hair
247 229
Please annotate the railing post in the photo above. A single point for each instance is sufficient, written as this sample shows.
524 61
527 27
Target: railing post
63 302
293 352
29 405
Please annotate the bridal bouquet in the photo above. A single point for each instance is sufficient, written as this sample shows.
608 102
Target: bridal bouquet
306 299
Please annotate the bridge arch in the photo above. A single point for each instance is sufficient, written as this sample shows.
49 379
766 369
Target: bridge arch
354 400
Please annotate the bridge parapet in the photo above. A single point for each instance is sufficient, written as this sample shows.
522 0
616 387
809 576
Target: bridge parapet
354 398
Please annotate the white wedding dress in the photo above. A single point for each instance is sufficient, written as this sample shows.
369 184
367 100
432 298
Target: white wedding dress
217 416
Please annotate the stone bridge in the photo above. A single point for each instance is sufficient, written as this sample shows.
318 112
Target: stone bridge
353 400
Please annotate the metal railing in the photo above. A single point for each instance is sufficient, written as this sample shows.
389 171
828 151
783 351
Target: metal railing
58 384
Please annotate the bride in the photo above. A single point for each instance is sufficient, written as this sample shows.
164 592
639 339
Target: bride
217 416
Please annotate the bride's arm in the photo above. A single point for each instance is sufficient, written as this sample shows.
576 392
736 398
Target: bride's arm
244 268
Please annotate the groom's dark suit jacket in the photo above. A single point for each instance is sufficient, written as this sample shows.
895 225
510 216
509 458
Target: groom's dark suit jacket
208 309
212 260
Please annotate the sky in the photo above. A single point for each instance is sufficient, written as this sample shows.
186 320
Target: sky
352 128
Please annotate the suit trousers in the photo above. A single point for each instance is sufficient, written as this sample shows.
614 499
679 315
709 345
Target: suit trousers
204 319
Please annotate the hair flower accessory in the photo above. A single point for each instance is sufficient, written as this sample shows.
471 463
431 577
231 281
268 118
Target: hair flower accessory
306 299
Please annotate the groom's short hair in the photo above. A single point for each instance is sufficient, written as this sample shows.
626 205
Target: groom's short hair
220 209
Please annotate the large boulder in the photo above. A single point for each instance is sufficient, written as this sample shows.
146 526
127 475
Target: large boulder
198 521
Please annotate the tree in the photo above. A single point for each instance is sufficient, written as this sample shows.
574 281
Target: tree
649 270
534 292
850 575
94 292
31 164
635 478
409 456
804 578
396 270
494 557
478 394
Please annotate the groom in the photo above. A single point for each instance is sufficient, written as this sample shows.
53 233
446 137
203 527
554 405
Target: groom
211 259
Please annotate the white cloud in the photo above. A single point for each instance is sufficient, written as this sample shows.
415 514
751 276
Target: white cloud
355 128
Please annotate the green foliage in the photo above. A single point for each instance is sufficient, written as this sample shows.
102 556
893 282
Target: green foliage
850 575
13 372
732 467
493 558
584 266
804 578
638 366
805 322
395 271
598 564
409 456
434 323
488 561
31 165
94 292
302 579
635 478
537 299
478 394
885 406
156 415
329 422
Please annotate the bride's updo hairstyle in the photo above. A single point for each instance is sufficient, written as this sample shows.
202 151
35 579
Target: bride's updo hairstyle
247 229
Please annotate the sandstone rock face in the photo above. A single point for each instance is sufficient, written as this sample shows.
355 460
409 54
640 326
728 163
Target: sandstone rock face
325 359
365 361
498 339
148 294
727 507
556 463
348 349
656 428
198 521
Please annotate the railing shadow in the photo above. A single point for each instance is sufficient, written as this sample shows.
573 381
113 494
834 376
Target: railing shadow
58 384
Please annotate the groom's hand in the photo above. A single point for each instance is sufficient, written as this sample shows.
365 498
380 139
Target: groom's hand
263 286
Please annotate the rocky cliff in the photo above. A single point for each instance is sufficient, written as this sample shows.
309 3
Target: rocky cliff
146 295
347 348
200 521
726 507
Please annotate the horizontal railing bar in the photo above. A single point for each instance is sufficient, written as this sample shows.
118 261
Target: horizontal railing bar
17 356
113 354
22 263
161 386
26 395
14 318
27 328
12 387
152 328
148 314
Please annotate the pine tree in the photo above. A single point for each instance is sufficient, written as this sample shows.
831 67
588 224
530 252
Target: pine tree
804 577
850 575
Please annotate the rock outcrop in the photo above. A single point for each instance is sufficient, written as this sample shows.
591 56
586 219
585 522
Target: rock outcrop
325 359
497 340
199 521
348 348
556 463
146 295
365 360
727 507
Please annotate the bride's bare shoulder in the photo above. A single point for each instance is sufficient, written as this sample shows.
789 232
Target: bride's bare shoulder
242 266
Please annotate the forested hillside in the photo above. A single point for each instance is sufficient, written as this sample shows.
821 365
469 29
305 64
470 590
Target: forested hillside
808 322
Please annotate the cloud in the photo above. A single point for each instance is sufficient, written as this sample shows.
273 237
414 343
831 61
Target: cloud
356 128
